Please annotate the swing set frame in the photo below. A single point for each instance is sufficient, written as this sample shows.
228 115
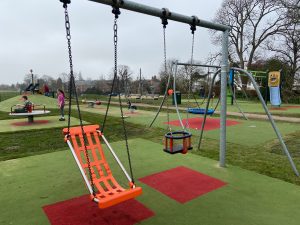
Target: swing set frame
224 68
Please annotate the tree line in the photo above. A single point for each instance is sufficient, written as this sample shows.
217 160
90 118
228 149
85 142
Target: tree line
263 31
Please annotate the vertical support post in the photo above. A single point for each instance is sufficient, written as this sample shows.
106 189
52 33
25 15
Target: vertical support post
31 72
224 71
171 145
166 143
232 86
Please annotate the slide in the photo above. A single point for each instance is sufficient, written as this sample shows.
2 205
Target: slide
275 96
35 87
29 87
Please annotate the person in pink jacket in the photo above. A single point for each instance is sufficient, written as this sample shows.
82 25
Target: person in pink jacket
61 103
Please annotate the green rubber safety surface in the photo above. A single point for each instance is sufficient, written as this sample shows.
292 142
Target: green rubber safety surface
40 122
29 183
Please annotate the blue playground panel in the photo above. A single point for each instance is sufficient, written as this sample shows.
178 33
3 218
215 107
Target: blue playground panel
200 111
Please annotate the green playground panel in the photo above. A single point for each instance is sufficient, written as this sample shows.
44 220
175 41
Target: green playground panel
248 198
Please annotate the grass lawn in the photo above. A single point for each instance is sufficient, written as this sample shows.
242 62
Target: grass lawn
251 144
258 132
36 99
52 122
256 107
248 198
7 94
246 105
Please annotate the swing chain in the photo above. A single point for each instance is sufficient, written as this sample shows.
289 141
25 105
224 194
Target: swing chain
116 11
116 47
68 36
165 22
69 39
191 75
72 85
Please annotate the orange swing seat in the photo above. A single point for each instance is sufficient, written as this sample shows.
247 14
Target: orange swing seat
108 192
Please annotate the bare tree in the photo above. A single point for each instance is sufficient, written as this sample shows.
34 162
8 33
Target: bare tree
28 78
59 83
124 78
252 23
164 72
64 77
286 45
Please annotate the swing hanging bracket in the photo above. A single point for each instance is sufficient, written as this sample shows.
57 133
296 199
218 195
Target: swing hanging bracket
115 8
65 2
165 13
193 24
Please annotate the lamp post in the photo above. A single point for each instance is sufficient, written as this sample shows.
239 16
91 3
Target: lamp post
32 80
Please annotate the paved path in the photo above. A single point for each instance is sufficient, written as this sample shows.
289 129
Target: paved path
264 117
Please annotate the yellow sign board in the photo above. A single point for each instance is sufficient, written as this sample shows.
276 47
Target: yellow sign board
274 79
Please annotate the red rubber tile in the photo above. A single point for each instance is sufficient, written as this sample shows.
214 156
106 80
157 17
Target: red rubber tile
293 106
279 109
196 123
82 211
25 123
182 184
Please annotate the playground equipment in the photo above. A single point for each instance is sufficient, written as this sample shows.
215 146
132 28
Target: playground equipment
274 87
198 110
84 141
152 11
276 130
183 136
91 104
33 111
260 78
184 142
33 87
210 111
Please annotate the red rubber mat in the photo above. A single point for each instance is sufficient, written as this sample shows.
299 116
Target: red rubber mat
82 211
132 113
293 106
25 123
279 109
196 123
182 184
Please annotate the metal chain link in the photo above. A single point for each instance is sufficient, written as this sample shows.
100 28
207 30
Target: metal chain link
115 28
115 48
71 86
120 101
166 72
68 36
187 125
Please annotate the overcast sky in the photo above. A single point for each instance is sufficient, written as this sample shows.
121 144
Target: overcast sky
33 37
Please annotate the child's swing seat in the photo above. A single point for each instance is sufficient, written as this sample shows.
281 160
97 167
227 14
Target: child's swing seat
108 192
